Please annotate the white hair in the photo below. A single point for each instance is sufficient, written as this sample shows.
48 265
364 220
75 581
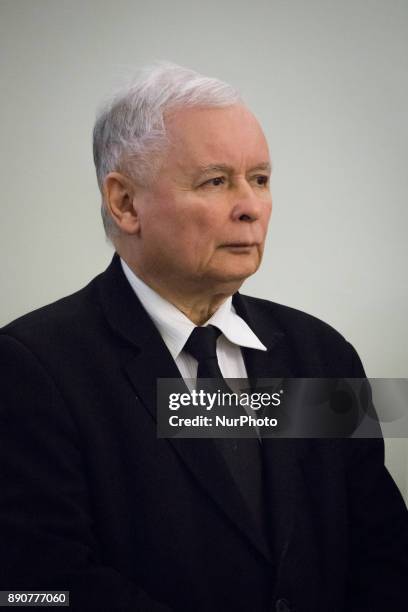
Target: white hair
129 133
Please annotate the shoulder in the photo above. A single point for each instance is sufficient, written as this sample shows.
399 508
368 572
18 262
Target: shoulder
319 347
57 324
289 320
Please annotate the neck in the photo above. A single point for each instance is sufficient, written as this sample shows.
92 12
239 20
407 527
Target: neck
197 308
198 302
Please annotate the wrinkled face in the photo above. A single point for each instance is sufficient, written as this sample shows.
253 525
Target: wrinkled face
205 220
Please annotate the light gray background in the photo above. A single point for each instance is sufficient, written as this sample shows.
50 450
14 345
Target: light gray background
328 81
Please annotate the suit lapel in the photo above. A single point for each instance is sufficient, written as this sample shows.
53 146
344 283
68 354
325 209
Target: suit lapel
199 455
281 461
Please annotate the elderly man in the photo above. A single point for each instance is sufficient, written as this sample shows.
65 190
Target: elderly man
92 501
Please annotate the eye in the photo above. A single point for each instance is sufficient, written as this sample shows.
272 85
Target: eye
214 182
262 179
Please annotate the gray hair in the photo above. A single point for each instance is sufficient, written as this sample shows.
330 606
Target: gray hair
129 133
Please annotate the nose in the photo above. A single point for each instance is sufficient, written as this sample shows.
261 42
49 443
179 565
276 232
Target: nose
248 204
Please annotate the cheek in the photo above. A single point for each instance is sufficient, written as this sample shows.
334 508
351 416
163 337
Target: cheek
188 239
199 228
197 245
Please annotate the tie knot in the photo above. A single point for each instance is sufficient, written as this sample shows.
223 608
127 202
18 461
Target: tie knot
202 343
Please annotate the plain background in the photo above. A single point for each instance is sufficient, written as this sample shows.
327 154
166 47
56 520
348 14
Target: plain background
328 81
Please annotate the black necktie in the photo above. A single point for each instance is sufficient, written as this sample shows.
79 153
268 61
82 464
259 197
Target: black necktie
242 456
202 345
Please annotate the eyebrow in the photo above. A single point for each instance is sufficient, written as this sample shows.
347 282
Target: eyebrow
265 166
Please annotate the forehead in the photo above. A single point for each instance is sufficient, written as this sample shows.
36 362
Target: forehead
203 136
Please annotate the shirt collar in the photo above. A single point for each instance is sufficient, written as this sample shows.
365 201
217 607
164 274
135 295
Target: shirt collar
175 328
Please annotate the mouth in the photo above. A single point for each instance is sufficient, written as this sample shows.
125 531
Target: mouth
240 248
239 245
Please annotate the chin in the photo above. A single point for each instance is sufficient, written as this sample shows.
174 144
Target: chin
234 274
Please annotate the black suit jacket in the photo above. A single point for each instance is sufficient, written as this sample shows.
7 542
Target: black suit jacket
93 502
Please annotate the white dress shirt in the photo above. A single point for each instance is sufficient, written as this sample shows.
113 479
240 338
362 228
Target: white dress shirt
175 329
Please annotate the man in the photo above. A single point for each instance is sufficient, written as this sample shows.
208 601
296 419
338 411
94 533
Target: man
92 501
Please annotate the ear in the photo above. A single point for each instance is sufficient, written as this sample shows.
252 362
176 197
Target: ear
119 193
